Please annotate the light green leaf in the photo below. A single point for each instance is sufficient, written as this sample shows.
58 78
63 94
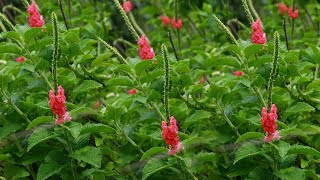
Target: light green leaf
82 111
31 34
10 48
246 150
196 117
40 120
87 86
88 154
252 49
153 166
154 151
9 128
300 107
250 136
97 128
38 136
50 166
309 129
306 150
291 132
120 81
74 128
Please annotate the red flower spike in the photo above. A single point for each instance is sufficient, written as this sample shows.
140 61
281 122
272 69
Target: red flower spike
35 19
132 91
238 73
269 123
165 20
176 24
258 36
293 14
20 59
282 8
145 52
127 6
58 105
170 135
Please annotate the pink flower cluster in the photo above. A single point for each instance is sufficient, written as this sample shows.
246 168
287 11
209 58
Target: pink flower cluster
20 59
283 9
127 6
35 19
175 24
258 36
170 135
269 123
238 73
145 51
58 105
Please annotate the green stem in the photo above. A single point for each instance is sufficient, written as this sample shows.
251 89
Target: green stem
172 44
166 81
127 21
132 142
285 31
274 67
256 15
6 21
238 22
316 72
157 110
228 120
135 24
124 42
225 29
63 15
55 54
114 51
3 28
247 11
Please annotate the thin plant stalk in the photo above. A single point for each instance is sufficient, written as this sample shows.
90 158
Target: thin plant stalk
166 81
63 15
176 18
247 11
274 67
135 24
114 51
55 54
254 12
172 45
292 24
6 21
225 29
285 31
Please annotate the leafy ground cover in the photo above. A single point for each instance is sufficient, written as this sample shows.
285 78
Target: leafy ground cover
160 89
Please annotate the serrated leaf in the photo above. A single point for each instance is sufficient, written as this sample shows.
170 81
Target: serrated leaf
12 35
50 166
114 113
153 166
74 128
306 150
97 128
82 111
154 151
40 120
228 61
194 141
141 66
10 48
120 81
205 157
86 86
291 173
38 136
88 154
282 148
291 132
249 136
309 129
31 33
252 49
196 117
9 128
246 150
300 107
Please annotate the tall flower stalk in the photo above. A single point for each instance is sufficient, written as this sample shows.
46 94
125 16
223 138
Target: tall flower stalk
166 81
55 54
63 15
225 29
247 10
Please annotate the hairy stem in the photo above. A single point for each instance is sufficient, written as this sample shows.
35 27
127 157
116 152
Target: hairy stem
55 54
6 21
114 51
166 81
274 67
247 11
256 15
225 29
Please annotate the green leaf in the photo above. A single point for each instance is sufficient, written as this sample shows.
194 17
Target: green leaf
38 136
282 148
82 111
50 166
154 151
142 66
249 136
114 113
217 92
10 48
14 172
120 81
309 129
87 86
291 173
306 150
291 132
246 150
205 157
228 61
252 49
40 120
12 35
31 34
194 141
97 128
74 128
88 154
196 117
300 107
153 166
9 128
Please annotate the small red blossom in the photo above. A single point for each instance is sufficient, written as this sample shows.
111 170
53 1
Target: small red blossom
127 6
269 123
35 19
258 36
132 91
176 24
58 105
170 135
282 8
165 20
293 14
145 51
20 59
97 104
238 73
202 80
